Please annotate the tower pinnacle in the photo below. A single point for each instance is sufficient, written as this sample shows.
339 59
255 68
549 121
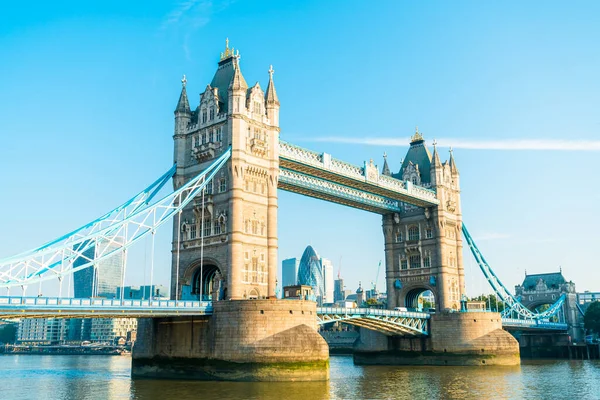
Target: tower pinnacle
271 94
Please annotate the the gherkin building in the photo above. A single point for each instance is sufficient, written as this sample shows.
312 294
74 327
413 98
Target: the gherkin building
310 272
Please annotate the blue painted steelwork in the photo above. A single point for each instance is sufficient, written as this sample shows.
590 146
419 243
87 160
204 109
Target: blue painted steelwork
388 322
141 199
365 179
56 261
537 324
514 306
47 307
324 189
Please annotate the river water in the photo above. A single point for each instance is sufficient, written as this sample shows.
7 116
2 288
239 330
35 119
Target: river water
107 377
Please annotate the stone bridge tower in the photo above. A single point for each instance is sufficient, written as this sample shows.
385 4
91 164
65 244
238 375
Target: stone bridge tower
423 247
225 247
544 290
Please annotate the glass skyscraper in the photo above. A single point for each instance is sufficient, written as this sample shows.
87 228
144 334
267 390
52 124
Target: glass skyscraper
101 279
316 272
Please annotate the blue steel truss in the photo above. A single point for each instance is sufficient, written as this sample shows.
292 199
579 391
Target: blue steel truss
513 305
54 307
113 233
388 322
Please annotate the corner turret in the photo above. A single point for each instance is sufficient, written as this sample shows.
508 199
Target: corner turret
183 116
271 100
386 169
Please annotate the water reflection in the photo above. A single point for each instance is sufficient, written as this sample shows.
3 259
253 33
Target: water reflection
105 377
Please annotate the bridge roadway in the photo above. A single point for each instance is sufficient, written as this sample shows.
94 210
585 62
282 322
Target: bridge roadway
389 322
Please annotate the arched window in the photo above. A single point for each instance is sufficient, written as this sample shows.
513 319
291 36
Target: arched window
212 113
204 116
413 233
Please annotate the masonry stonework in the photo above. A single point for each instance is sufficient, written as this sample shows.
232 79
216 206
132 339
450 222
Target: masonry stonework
423 246
470 338
260 340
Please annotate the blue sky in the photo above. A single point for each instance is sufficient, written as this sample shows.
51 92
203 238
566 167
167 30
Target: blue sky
87 91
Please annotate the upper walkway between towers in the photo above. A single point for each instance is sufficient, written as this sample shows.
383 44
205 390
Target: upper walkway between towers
321 176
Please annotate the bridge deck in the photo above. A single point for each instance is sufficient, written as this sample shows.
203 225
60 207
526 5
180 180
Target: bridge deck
389 322
51 307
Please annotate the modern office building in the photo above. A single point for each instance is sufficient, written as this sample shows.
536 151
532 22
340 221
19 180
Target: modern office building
328 291
586 298
108 330
42 330
289 272
144 292
104 276
338 290
316 272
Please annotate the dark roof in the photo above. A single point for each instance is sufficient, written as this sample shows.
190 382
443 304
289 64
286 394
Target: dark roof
222 78
419 155
183 104
552 279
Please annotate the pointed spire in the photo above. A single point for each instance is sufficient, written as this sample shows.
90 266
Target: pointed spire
183 105
436 157
271 95
453 168
386 168
237 82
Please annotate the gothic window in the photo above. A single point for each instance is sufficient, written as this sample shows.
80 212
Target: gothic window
414 180
398 237
204 116
246 229
257 134
254 186
204 138
427 262
254 270
211 136
222 185
209 187
207 227
415 261
219 134
262 228
199 140
193 141
428 233
403 264
247 186
255 227
257 107
217 228
413 233
262 188
193 231
212 113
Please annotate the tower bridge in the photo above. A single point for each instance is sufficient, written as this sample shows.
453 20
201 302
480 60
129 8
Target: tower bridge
229 164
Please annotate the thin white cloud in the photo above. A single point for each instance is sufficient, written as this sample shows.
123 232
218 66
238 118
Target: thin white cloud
175 15
476 144
187 17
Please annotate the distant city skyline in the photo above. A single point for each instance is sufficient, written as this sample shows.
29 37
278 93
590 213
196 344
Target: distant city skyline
88 93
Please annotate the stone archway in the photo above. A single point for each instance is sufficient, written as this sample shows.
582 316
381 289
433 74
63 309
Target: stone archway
411 298
207 282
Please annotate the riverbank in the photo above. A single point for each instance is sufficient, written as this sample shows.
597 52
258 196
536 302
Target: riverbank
66 350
